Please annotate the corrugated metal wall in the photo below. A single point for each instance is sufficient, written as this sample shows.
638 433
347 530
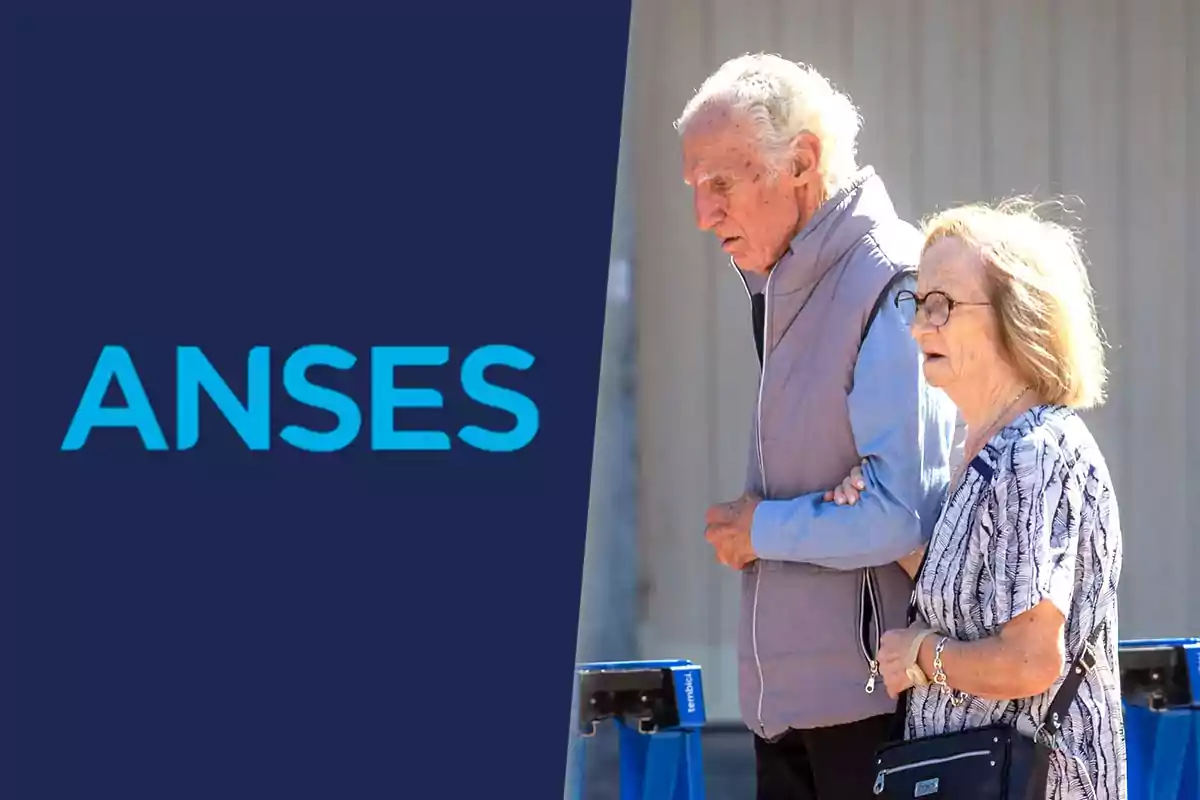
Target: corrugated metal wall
962 100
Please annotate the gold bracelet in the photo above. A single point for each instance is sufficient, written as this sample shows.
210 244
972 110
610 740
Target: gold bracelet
939 675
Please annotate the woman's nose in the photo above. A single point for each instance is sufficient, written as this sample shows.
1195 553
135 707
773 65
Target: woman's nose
919 328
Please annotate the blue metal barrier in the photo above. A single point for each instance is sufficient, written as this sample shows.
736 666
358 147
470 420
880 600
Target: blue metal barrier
658 708
1160 686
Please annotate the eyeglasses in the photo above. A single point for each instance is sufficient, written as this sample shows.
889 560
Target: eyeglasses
935 305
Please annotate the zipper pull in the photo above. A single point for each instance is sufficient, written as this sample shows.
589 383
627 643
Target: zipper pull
879 782
871 677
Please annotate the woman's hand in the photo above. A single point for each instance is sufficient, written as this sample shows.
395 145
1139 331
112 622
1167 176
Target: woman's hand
1023 660
849 490
893 658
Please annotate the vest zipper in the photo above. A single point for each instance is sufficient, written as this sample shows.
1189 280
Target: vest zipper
869 594
762 473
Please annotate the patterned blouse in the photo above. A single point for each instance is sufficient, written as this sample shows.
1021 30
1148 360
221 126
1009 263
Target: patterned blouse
1034 518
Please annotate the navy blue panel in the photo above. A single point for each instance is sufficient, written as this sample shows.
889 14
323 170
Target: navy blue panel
244 618
982 467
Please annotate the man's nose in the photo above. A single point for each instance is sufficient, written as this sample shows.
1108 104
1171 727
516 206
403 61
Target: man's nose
919 327
709 210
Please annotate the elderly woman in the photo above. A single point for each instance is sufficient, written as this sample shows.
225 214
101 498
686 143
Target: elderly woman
1023 563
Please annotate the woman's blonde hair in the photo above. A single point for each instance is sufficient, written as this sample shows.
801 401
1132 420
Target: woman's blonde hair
1041 293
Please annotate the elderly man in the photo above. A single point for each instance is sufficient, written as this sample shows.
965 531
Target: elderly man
769 152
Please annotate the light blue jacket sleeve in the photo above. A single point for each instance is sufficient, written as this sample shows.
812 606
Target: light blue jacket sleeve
905 430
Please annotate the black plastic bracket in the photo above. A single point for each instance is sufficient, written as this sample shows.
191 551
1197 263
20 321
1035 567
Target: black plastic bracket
1156 677
644 699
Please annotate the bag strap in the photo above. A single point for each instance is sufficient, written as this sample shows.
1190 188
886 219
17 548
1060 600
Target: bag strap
1061 704
1046 736
869 606
898 276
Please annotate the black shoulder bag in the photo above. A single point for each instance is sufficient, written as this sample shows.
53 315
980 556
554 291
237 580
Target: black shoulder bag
994 762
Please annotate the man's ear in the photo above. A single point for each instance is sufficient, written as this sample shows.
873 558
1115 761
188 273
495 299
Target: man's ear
806 156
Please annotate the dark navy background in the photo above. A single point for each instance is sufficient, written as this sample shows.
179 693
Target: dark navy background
218 623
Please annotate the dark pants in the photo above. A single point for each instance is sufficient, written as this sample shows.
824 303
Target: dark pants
835 763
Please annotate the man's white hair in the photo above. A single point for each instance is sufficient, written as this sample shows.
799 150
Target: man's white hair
783 99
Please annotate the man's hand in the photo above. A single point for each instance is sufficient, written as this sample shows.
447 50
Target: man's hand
727 529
